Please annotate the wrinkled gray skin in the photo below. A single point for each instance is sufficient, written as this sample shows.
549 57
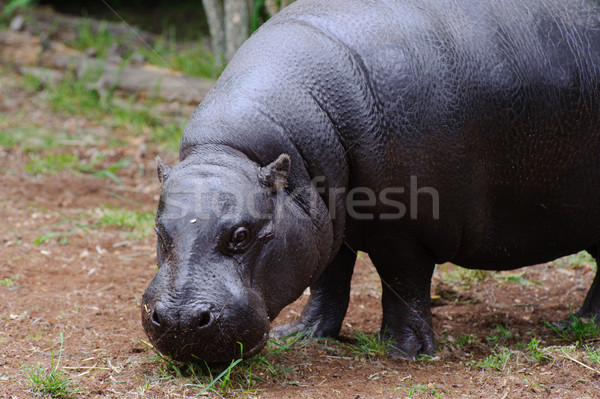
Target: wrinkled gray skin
491 107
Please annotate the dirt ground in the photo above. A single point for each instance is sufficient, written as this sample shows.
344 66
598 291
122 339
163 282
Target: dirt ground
64 272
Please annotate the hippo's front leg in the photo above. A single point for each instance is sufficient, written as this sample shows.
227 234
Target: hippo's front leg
405 269
329 295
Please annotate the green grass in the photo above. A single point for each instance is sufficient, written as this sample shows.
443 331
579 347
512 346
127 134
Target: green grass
51 164
537 353
100 39
9 282
192 58
580 259
74 96
500 333
32 138
370 346
239 376
593 354
424 388
53 382
516 277
136 223
576 329
14 5
466 278
498 360
464 340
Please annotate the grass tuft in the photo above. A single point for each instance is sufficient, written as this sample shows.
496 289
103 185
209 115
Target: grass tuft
9 282
500 333
54 383
576 328
241 375
138 224
496 361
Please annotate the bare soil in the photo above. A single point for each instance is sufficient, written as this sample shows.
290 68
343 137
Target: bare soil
86 283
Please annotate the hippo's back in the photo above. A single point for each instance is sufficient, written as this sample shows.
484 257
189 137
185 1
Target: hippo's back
494 104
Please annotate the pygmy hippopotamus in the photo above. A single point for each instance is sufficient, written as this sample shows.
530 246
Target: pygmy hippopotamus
418 131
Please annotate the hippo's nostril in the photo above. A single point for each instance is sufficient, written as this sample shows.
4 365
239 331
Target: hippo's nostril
155 317
204 319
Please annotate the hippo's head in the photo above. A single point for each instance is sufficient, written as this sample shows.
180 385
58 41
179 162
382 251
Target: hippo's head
235 246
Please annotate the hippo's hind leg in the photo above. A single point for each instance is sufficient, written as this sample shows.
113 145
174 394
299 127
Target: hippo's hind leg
405 268
329 296
591 305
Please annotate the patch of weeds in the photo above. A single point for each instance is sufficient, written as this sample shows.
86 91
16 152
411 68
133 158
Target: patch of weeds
496 361
593 354
32 83
100 39
465 340
578 260
61 234
467 278
429 388
535 352
517 277
9 282
191 59
372 346
51 164
239 375
138 224
500 333
168 135
53 383
32 138
73 96
14 5
576 328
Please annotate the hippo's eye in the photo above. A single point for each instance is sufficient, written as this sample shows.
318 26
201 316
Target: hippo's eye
240 235
239 239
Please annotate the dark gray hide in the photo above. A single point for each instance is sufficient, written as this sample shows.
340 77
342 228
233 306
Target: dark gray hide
468 130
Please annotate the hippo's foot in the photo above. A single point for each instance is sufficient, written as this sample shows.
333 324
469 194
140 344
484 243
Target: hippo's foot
409 342
307 328
591 306
405 270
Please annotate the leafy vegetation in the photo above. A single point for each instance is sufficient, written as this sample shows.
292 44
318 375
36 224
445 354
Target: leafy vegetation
497 360
239 375
500 333
576 329
537 353
372 346
516 277
190 58
9 282
466 278
52 163
53 382
14 5
137 223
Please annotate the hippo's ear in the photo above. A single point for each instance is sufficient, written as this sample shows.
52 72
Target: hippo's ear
275 174
162 169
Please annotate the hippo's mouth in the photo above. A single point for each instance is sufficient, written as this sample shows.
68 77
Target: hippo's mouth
258 347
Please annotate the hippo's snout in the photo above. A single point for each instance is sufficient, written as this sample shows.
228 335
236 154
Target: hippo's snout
214 333
197 320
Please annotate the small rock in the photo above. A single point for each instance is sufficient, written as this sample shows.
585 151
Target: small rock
17 23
